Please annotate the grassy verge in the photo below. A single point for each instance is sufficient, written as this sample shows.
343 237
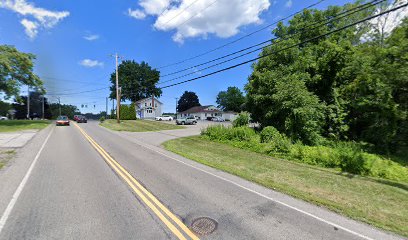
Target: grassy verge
5 155
379 202
138 125
18 125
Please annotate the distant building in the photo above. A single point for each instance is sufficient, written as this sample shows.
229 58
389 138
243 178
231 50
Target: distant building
205 112
148 108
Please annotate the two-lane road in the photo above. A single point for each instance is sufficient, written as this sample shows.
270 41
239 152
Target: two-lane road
91 183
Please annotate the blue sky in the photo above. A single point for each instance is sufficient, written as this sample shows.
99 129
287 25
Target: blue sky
60 44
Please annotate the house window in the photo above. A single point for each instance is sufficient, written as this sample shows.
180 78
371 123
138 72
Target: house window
150 104
206 114
145 104
155 105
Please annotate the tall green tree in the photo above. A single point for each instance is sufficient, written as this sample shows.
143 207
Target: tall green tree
36 101
231 100
187 101
299 90
137 81
16 69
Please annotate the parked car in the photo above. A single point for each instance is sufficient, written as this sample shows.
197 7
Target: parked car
82 119
218 119
3 118
164 118
186 120
62 121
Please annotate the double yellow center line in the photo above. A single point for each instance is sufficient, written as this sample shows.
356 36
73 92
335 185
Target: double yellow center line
149 199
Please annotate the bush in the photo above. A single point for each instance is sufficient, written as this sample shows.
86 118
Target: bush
102 119
241 120
221 133
276 140
127 112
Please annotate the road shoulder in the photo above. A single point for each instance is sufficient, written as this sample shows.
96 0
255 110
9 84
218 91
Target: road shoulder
15 169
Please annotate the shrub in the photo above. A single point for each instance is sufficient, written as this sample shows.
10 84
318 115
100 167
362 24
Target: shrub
222 133
102 119
241 120
276 140
127 112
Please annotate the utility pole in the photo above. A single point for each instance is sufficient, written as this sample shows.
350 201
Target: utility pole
59 104
176 106
28 102
106 114
43 106
117 90
113 107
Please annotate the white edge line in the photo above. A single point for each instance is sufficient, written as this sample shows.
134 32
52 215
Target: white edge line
258 193
20 187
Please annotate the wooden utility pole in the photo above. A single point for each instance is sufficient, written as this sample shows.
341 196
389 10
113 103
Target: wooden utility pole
176 106
117 91
28 102
43 106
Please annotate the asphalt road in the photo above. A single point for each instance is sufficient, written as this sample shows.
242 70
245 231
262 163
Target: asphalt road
77 190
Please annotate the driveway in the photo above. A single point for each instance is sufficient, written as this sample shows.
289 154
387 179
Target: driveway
157 138
16 139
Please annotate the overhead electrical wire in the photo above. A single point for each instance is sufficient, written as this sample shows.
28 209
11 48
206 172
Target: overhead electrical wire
291 46
239 39
182 11
372 3
337 17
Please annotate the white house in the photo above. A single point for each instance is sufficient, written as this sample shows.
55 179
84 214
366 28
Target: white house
205 112
148 108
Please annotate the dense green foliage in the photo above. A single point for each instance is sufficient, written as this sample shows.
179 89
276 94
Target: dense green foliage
337 87
346 156
137 81
36 102
16 69
127 112
4 108
66 109
241 120
231 100
187 101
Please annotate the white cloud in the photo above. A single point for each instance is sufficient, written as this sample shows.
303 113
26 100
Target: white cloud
40 17
199 18
91 37
91 63
154 7
289 4
138 14
31 28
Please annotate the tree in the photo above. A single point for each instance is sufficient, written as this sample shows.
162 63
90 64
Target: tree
4 108
137 81
16 69
187 101
66 109
36 100
231 100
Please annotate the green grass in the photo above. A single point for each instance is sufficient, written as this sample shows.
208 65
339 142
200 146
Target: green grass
379 202
138 125
5 155
18 125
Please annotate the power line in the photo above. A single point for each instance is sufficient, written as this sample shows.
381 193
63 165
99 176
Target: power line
239 39
180 12
202 10
64 94
292 46
337 17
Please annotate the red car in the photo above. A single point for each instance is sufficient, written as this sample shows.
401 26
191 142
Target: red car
62 121
76 117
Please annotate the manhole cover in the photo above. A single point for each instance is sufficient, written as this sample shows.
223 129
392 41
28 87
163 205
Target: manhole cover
204 226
